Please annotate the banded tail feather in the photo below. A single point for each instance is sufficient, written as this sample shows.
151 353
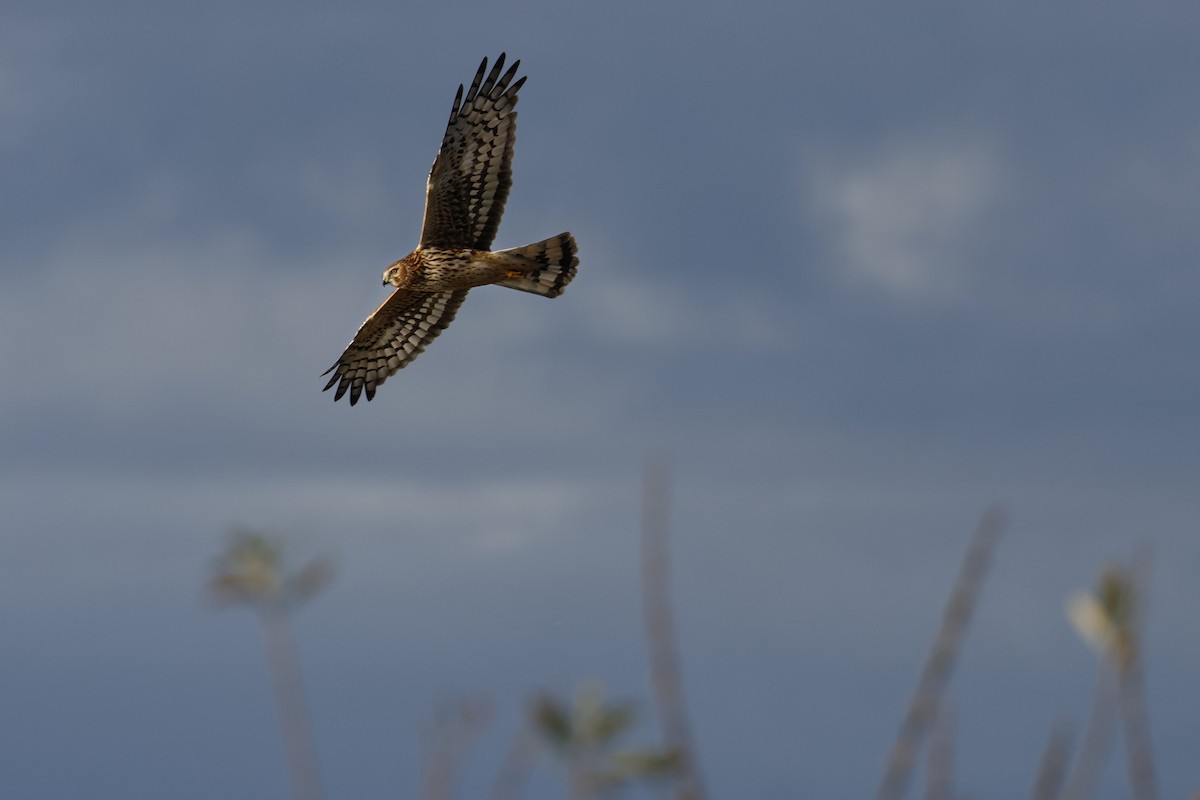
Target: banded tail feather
552 261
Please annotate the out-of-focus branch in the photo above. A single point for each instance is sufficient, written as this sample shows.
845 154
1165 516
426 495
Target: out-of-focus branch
447 738
516 764
1131 684
1131 680
1053 766
1097 740
940 766
250 572
923 707
665 679
290 703
1110 619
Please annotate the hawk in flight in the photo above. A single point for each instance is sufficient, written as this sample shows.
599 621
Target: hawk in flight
464 199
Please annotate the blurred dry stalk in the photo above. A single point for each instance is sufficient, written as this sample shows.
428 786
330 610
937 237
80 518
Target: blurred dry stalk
250 572
1110 619
446 739
518 760
665 680
1097 739
923 707
939 769
1053 765
584 737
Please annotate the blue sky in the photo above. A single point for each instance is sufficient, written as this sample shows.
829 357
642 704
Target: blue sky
859 269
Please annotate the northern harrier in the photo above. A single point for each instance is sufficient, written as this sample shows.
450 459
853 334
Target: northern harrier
464 199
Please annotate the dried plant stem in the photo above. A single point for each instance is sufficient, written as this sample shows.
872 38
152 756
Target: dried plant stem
1096 740
1131 686
290 706
924 704
1140 761
940 766
517 761
660 630
1053 766
446 738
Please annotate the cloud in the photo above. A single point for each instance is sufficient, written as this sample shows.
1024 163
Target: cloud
668 308
902 217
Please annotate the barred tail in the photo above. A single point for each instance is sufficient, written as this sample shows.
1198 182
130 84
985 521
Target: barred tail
551 265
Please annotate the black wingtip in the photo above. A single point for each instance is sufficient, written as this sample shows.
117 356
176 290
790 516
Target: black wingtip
508 76
476 81
338 380
490 82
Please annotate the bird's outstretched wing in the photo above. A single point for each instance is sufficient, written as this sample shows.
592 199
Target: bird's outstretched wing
472 173
390 338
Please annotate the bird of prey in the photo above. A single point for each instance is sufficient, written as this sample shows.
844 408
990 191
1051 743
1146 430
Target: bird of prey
464 199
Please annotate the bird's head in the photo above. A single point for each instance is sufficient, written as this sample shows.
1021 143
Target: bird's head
393 274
